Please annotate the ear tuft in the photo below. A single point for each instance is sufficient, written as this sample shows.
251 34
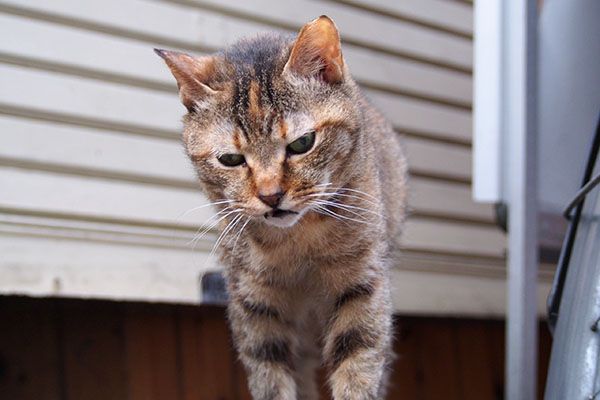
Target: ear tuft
191 73
317 51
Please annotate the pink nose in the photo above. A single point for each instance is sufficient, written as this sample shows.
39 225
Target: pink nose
272 200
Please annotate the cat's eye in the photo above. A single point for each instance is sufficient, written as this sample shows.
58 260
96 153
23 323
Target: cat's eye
231 160
302 144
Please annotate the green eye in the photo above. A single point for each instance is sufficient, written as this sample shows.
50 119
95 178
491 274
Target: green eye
302 144
231 160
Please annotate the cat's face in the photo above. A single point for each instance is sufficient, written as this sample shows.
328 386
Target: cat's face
270 130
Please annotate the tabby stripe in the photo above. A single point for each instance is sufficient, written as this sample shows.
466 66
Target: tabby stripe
348 343
267 86
241 104
275 351
259 309
270 119
360 290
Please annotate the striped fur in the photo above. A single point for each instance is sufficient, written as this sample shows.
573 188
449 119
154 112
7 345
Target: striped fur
307 273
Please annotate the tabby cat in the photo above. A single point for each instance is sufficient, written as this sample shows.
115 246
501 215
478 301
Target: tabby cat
309 182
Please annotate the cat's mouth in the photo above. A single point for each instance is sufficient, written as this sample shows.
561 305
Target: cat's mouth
279 213
282 218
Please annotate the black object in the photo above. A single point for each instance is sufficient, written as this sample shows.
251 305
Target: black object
214 290
565 255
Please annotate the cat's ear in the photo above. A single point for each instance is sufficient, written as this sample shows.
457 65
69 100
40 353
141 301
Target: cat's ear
191 74
317 52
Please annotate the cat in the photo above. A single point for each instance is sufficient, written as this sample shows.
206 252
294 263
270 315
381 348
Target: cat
309 181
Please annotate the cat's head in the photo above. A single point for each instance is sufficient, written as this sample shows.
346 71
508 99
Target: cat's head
272 122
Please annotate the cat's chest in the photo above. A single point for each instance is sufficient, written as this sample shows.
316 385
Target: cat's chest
317 243
296 252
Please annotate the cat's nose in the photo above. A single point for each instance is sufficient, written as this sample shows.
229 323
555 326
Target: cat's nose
271 199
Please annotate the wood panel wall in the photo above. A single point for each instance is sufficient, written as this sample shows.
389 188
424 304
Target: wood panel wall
55 349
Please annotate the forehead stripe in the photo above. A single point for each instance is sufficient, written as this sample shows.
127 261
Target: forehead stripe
241 104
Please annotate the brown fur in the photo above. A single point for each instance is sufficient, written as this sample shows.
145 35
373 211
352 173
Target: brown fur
310 287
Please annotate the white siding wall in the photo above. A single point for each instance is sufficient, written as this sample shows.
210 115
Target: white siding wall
94 185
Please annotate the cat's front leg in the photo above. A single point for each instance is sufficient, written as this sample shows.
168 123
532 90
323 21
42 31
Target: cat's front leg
265 338
357 343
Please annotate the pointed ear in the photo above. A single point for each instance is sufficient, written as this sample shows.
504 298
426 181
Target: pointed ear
191 74
317 51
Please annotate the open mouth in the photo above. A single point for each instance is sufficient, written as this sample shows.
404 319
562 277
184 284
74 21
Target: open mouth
279 213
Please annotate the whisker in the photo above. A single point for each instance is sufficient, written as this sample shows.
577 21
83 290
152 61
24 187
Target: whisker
205 205
330 204
202 229
229 226
322 210
197 237
354 191
240 234
334 214
349 207
233 235
335 194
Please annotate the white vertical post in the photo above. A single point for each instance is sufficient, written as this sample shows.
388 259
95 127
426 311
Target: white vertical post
487 101
520 38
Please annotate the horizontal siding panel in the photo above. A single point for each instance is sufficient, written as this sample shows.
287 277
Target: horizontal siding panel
456 296
409 77
357 27
422 117
39 191
440 160
189 25
131 203
35 40
159 110
429 235
80 268
112 103
450 200
41 141
85 151
92 149
453 16
165 23
104 231
452 264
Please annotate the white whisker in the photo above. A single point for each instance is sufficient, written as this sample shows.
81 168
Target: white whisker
231 223
348 207
199 236
338 216
325 211
239 234
203 228
342 189
228 228
335 194
204 206
336 205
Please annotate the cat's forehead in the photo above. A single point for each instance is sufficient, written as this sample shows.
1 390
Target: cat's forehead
297 124
226 133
